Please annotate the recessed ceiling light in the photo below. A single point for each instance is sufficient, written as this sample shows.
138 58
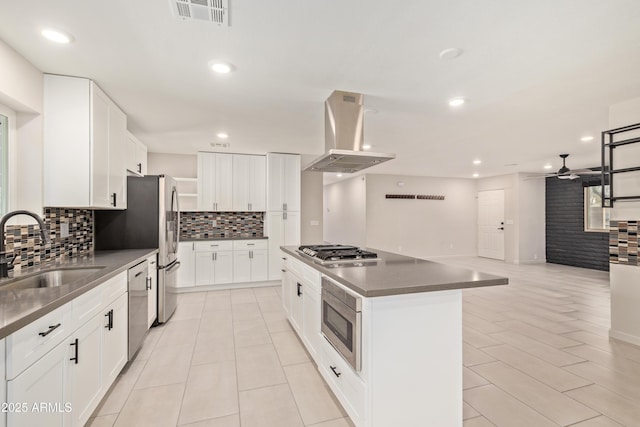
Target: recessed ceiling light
338 175
548 166
221 67
222 135
451 53
586 138
477 161
57 36
456 102
475 175
366 146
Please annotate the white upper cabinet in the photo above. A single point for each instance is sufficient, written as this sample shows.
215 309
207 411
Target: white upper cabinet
215 182
249 183
136 155
283 182
84 145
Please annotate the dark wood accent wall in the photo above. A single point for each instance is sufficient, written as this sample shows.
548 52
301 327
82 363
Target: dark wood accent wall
566 241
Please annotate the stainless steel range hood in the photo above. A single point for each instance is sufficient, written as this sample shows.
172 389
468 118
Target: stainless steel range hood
344 137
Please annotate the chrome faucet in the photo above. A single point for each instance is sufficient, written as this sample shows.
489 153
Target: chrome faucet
5 262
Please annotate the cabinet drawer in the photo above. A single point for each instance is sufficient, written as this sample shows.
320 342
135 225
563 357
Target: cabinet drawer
113 288
27 345
304 272
214 245
86 306
342 379
250 244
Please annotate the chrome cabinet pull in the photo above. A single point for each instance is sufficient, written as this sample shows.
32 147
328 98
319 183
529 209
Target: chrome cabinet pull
51 329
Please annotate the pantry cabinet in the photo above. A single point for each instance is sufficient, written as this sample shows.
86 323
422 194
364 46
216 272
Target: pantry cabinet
84 145
136 155
215 177
249 183
283 182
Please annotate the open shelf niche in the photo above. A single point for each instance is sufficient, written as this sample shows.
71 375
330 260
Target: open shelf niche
612 139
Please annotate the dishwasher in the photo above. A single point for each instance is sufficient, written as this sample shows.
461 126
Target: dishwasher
138 306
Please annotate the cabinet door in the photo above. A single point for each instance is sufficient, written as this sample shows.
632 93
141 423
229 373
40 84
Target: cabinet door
152 308
204 268
117 156
223 267
286 292
3 388
259 265
141 158
131 154
275 232
85 370
45 381
297 290
100 196
291 182
187 270
114 340
206 181
275 177
311 322
258 185
241 182
241 266
224 182
291 228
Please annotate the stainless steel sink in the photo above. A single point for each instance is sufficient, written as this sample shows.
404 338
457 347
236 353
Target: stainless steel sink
51 278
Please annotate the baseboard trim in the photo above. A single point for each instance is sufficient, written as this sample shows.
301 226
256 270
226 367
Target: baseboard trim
207 288
623 336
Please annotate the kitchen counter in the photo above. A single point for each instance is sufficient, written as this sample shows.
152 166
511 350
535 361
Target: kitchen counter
197 239
19 307
398 274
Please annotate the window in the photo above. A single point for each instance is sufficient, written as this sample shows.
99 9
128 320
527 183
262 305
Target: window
4 164
596 218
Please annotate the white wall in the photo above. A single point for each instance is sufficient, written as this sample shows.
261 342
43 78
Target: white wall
530 229
421 228
22 90
625 292
345 212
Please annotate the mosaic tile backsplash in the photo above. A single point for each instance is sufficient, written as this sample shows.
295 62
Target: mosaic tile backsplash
24 240
199 225
623 242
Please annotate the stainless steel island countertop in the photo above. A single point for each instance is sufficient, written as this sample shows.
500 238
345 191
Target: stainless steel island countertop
19 307
397 274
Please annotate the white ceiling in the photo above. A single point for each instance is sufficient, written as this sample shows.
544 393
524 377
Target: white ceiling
538 75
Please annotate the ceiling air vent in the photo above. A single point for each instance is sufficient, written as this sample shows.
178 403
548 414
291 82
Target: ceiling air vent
216 11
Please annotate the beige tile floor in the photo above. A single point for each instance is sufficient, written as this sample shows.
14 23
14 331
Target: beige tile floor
536 353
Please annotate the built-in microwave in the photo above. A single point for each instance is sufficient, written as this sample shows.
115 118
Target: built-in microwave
341 321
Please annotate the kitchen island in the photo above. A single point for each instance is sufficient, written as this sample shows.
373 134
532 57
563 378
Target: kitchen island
408 335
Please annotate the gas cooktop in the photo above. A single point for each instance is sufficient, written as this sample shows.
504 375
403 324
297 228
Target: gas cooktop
337 253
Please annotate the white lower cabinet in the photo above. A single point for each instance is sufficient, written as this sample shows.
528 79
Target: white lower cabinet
187 259
85 361
114 343
3 388
73 360
214 262
43 382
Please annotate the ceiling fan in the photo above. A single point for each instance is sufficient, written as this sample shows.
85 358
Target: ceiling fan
565 173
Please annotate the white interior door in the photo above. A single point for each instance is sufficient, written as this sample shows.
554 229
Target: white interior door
491 224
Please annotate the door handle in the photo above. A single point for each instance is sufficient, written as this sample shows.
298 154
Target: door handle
139 167
284 206
114 197
299 289
500 228
109 317
284 215
148 283
76 344
334 369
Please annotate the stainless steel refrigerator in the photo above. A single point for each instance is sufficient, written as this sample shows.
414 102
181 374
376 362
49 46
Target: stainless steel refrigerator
151 220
